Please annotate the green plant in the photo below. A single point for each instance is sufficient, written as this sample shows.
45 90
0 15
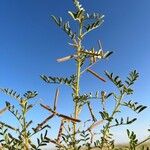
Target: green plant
74 134
19 138
74 137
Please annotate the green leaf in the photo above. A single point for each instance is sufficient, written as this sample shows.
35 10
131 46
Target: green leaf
73 15
56 80
78 5
134 106
107 54
133 76
11 93
57 21
115 79
30 94
142 108
64 26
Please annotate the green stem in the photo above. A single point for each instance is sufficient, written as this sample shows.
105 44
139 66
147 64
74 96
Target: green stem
107 127
77 88
24 128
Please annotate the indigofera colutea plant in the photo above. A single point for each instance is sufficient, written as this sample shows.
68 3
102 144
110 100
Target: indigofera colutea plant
74 134
21 140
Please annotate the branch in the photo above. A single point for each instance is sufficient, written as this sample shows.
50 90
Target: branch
91 112
147 139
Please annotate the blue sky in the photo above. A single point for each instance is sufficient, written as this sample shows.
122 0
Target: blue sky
30 43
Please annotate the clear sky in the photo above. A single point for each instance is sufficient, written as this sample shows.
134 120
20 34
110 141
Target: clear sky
30 43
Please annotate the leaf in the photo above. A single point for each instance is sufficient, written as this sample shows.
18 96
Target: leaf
56 80
107 54
93 26
105 115
127 90
30 94
128 132
72 14
134 106
131 121
64 26
115 79
133 76
8 126
57 21
108 95
142 108
11 93
91 112
79 15
29 123
78 5
11 108
96 16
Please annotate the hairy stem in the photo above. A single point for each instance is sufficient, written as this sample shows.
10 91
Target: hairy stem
77 88
24 128
107 127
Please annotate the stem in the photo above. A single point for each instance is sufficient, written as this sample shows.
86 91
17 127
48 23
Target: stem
118 104
77 88
26 144
107 127
147 139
